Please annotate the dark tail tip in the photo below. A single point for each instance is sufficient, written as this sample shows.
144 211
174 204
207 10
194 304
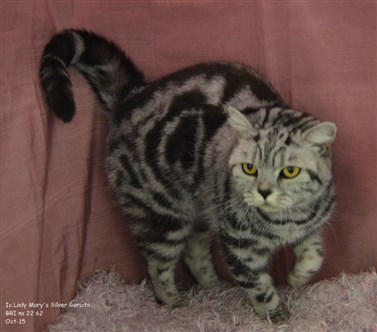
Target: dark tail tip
62 104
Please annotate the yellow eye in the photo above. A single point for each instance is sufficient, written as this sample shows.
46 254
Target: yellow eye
249 169
290 172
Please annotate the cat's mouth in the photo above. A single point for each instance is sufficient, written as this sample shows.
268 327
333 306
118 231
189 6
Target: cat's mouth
265 206
269 208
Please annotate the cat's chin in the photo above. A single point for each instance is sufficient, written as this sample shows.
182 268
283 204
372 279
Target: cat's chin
269 208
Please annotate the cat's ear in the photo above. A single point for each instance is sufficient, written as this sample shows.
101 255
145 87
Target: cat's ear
321 135
240 123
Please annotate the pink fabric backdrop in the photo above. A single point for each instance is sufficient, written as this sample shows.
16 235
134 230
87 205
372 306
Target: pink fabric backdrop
59 220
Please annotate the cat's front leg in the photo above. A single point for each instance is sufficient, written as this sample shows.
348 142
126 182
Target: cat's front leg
309 258
265 300
249 269
198 259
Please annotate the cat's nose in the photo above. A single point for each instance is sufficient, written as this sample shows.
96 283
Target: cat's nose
264 193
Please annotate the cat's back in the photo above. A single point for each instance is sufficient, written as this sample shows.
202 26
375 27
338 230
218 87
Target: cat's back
219 84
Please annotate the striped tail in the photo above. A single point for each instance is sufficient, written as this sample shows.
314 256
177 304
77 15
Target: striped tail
107 68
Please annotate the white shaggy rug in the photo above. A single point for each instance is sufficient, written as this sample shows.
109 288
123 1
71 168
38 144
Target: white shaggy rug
347 303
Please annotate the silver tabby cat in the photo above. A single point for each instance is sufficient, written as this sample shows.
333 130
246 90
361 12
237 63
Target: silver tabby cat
209 150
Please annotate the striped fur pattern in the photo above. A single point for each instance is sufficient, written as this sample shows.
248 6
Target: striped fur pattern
209 150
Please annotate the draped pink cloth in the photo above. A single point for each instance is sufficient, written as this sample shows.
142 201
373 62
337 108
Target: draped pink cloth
60 221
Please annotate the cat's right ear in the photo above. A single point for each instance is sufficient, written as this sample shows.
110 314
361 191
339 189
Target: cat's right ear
240 123
321 135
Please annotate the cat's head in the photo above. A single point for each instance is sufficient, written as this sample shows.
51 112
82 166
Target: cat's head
282 164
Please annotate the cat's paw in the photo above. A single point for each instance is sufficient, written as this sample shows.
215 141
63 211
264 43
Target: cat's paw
296 281
172 300
279 318
181 301
279 315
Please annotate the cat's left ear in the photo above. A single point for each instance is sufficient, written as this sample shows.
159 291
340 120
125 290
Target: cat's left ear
240 123
321 135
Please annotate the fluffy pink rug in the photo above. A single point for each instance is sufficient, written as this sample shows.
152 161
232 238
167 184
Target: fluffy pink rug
347 303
